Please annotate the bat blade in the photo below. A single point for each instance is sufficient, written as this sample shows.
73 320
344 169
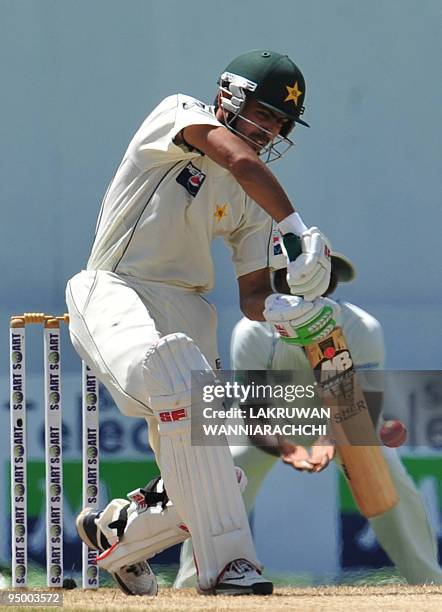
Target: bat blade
357 443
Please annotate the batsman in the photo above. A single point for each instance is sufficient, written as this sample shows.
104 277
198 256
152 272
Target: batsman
138 318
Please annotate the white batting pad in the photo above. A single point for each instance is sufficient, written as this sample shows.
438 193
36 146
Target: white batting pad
148 532
200 480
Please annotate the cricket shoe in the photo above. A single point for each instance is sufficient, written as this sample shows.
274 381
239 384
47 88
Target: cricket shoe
240 577
135 579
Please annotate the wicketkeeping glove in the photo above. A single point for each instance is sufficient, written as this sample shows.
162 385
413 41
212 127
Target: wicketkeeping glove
299 321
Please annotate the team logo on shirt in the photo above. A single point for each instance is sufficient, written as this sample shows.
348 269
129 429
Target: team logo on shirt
276 241
220 212
191 178
277 248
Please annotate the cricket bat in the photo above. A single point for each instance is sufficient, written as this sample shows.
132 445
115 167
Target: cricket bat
364 465
357 444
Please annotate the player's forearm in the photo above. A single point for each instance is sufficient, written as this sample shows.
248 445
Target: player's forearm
254 288
262 186
232 153
252 305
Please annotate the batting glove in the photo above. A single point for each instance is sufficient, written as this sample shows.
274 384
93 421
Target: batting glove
309 274
299 321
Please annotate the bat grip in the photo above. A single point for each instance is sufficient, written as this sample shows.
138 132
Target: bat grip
292 245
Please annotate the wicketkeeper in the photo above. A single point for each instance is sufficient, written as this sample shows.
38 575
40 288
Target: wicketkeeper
404 532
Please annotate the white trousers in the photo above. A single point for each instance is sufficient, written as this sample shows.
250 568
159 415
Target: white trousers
114 321
142 340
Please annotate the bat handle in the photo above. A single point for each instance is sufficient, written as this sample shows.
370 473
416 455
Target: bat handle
292 245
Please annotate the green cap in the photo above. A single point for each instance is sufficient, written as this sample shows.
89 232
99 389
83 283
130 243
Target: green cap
343 268
273 79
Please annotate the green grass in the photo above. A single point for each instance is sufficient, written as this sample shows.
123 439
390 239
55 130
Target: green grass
166 575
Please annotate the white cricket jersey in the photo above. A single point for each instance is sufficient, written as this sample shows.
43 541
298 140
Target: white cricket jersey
257 346
167 202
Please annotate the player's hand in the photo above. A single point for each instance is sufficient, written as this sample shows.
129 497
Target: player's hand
296 456
322 453
298 321
309 274
319 457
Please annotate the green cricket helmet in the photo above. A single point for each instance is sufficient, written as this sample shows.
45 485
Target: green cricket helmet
271 78
274 81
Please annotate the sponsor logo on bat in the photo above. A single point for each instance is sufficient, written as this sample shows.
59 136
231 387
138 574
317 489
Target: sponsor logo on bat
338 366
